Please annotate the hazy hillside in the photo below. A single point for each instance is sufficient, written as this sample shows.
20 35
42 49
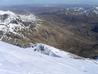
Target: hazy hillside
71 29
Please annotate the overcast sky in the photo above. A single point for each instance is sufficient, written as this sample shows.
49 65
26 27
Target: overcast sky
15 2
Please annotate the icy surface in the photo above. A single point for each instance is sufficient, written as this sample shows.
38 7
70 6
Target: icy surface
16 60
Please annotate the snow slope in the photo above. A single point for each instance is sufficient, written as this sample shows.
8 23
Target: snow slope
16 60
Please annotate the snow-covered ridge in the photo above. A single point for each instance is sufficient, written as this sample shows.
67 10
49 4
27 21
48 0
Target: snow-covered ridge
13 15
6 12
9 21
16 60
81 11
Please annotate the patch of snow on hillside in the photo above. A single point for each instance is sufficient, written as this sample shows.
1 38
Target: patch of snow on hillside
96 8
47 50
30 17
